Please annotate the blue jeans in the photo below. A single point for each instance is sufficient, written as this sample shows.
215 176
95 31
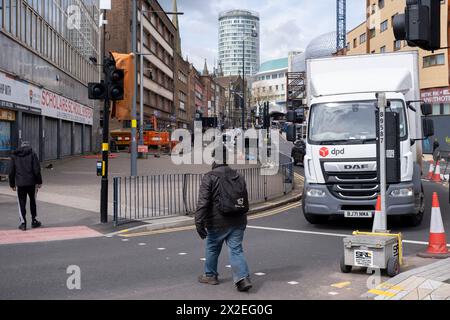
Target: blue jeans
233 238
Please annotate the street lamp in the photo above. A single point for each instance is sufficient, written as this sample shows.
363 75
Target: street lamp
244 38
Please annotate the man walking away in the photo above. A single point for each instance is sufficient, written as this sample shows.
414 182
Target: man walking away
221 216
25 178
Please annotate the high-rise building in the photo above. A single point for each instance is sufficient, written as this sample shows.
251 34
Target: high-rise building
46 61
238 30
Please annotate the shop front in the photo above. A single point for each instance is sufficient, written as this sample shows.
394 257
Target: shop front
55 126
439 98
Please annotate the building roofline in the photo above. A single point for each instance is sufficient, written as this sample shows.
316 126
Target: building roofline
238 12
359 25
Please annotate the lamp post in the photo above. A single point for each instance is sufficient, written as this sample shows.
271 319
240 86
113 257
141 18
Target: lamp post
244 38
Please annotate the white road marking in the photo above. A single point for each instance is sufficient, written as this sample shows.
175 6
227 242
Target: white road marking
142 244
125 240
423 243
182 254
293 283
161 249
228 266
202 259
333 293
260 274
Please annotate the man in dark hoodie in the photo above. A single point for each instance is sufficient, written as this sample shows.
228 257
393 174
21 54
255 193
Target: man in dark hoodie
218 228
25 178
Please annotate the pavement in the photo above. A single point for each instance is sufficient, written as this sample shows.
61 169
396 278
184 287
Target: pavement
431 282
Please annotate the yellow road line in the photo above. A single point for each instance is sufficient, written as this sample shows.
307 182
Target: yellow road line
163 231
382 293
341 285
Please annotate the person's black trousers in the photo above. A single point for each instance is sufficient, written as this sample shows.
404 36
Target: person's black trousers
22 194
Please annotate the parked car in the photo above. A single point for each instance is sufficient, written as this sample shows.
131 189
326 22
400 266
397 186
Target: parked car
298 152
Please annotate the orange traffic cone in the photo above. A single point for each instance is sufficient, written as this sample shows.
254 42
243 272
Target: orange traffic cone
437 173
378 223
437 247
431 171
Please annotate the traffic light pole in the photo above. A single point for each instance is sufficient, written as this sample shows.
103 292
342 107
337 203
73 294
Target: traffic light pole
105 142
105 164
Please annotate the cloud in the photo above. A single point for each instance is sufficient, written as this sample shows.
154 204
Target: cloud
286 25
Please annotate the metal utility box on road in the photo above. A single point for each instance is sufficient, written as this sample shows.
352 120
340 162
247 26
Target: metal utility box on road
371 252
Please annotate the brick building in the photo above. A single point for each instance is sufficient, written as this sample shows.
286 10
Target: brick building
159 45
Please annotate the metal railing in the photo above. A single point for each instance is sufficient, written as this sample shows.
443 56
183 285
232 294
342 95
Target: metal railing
162 196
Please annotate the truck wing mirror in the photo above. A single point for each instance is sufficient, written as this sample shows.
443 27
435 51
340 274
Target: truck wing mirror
427 109
428 127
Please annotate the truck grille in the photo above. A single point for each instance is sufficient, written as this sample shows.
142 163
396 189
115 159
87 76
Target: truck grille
354 185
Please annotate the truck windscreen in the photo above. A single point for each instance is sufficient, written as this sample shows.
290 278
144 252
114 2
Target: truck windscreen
348 122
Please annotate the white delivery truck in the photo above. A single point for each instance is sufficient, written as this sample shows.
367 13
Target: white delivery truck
341 149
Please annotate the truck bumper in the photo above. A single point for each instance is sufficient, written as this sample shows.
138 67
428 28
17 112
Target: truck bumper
332 206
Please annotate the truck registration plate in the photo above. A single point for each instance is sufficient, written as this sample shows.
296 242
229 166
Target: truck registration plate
358 214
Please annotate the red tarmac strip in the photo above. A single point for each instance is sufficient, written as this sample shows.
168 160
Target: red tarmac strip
46 234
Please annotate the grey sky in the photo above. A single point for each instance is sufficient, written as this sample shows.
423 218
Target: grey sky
286 25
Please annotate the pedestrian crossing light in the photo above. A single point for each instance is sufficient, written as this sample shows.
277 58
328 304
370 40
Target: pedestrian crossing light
420 25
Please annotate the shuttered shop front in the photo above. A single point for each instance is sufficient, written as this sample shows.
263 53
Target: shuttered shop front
51 139
78 138
31 130
66 139
87 139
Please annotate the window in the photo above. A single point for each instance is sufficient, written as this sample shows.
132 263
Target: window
372 33
7 5
397 45
384 26
383 49
434 60
14 17
446 108
355 43
436 109
362 38
381 4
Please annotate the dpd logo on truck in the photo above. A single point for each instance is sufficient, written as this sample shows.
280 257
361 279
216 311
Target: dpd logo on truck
325 152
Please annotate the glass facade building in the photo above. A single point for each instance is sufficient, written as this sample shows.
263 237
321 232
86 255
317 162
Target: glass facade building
45 66
236 26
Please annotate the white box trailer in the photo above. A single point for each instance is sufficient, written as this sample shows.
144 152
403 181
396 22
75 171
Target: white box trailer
341 154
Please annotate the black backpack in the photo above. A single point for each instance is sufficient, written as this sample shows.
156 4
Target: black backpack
232 200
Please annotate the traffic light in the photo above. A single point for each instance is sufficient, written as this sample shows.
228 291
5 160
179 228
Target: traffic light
420 25
97 91
296 116
116 84
113 85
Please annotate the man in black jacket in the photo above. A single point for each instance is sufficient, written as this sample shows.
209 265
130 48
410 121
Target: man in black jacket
217 229
25 178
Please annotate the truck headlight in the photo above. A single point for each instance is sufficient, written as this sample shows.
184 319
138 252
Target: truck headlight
315 193
402 193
